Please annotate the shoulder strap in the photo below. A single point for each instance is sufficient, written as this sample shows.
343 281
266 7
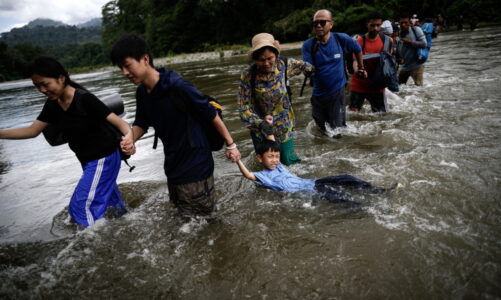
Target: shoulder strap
414 31
343 56
253 80
385 40
363 44
314 49
287 83
284 59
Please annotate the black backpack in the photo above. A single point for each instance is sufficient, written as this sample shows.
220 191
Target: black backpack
215 140
54 136
385 74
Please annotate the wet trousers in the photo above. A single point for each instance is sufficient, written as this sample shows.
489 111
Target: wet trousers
329 109
416 74
195 198
97 191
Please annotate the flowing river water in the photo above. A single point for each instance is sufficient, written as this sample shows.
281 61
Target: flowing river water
438 237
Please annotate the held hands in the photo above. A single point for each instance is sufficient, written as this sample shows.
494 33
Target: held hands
267 127
362 73
127 145
232 152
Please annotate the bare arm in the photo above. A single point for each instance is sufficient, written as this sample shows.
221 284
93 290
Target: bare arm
231 152
119 123
358 65
247 174
24 132
127 143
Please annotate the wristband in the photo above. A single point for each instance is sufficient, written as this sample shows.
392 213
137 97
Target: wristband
231 146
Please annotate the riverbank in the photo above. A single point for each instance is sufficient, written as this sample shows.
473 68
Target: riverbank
189 57
200 56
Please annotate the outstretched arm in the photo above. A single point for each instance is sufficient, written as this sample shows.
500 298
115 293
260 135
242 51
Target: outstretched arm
128 141
231 152
23 132
247 174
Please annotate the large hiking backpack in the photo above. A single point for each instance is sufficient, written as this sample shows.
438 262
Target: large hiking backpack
54 135
385 75
216 141
422 53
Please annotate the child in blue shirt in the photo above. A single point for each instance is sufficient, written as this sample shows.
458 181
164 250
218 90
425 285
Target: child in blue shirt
276 177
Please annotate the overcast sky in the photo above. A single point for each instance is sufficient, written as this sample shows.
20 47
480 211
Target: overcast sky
17 13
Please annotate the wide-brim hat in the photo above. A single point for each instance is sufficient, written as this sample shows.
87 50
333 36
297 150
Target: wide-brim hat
263 40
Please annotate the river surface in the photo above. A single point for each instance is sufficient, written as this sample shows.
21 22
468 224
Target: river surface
438 237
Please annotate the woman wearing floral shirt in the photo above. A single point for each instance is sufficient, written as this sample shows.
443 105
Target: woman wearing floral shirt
267 99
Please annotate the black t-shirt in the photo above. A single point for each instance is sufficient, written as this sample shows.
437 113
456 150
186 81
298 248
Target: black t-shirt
83 125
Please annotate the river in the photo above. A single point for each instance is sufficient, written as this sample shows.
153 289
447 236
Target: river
439 237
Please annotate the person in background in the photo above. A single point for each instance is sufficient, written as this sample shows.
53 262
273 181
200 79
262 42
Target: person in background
428 29
263 94
387 28
81 117
362 88
411 38
326 52
414 20
188 161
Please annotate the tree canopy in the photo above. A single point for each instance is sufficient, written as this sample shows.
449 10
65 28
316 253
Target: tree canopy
175 26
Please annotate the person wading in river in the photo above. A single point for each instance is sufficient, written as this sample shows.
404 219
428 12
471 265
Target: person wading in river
326 53
188 162
411 38
263 93
362 88
82 119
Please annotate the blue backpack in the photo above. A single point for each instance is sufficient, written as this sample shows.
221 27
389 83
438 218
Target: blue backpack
422 53
385 75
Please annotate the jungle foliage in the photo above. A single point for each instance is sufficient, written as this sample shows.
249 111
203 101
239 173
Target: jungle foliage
188 25
176 26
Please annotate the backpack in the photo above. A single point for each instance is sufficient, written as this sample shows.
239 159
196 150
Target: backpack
216 141
385 74
54 135
422 53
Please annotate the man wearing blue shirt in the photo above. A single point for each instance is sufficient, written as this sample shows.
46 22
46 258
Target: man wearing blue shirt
326 53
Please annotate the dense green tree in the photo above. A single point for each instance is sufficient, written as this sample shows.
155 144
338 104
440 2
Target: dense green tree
174 26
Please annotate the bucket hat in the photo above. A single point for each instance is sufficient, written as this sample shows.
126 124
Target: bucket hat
262 40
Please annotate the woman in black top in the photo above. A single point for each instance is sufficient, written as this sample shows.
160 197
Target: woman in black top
82 118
